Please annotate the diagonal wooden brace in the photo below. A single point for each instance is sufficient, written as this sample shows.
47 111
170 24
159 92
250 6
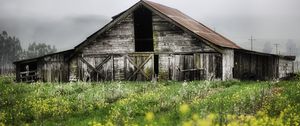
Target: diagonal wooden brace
139 67
89 65
99 67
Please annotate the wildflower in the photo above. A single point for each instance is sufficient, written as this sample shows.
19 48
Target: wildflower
204 122
233 123
149 116
195 117
188 123
109 123
184 83
211 116
184 108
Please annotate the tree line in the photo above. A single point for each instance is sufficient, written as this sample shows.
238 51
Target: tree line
11 50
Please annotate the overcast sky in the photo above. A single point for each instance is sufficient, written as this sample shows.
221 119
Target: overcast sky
66 23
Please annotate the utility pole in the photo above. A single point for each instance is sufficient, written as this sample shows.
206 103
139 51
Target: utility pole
276 46
252 39
290 51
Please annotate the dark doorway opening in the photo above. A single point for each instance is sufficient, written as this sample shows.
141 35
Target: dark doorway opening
32 66
156 64
28 72
143 30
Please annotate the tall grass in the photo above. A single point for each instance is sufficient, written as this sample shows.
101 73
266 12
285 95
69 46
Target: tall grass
146 103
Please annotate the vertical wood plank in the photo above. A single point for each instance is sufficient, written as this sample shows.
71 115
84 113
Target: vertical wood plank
113 67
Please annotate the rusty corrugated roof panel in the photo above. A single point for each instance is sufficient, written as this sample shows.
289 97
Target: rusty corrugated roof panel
193 25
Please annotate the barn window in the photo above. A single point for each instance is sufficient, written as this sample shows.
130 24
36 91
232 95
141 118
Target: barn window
143 30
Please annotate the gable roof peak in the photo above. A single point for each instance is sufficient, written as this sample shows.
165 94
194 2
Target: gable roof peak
176 17
192 25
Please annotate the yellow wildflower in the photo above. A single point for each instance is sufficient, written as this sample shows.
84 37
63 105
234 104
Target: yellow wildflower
184 108
109 123
187 123
195 117
204 122
149 116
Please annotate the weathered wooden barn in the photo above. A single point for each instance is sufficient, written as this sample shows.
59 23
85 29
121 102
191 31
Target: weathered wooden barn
150 41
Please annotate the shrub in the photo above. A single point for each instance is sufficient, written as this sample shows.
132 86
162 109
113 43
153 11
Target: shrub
6 80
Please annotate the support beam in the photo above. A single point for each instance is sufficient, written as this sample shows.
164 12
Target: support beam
139 67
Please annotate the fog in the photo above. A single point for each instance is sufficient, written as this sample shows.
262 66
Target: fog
66 23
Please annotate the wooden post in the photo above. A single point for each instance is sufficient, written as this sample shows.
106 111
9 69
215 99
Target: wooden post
125 67
169 65
113 67
153 67
97 78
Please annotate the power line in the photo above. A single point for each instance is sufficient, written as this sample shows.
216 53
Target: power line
252 39
276 46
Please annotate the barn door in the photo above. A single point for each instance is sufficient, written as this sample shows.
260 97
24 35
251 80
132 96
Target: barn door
139 67
97 68
188 67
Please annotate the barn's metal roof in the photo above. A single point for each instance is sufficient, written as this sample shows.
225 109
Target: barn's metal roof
180 19
193 25
36 58
177 17
287 57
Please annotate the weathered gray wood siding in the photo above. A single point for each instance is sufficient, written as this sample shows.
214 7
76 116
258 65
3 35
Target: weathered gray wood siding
227 64
111 67
118 39
54 68
194 66
169 38
181 56
251 66
197 66
49 68
286 67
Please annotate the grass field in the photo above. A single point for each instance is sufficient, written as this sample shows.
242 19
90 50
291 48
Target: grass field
146 103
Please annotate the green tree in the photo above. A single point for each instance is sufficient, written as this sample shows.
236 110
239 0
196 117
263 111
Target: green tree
10 50
39 49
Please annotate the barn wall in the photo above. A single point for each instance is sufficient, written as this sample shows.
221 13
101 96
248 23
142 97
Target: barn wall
18 70
296 66
49 68
118 39
285 67
106 67
169 38
194 66
54 68
251 66
197 66
228 64
118 44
